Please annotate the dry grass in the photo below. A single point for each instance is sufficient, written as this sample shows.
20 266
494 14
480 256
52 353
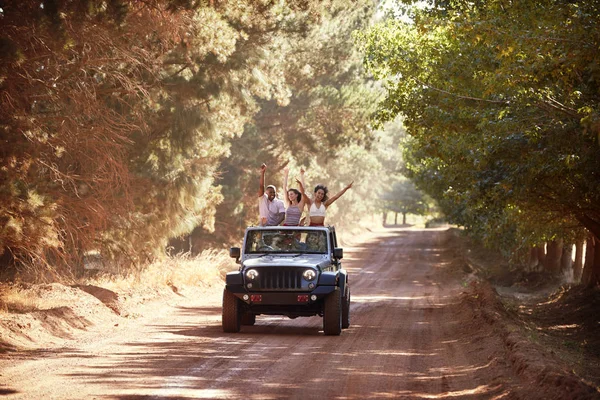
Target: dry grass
171 274
178 271
16 301
20 300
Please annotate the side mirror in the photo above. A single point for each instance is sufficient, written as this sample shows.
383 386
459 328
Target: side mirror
235 252
338 253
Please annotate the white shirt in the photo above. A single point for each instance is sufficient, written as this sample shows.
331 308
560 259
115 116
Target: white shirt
269 210
317 212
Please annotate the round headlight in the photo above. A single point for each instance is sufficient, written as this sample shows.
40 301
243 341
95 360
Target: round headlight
309 274
252 274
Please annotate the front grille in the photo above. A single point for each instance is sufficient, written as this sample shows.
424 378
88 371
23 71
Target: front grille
281 278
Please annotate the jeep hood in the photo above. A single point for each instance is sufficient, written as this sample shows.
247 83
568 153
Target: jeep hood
314 261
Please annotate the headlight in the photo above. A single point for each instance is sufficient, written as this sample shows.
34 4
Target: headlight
309 274
252 274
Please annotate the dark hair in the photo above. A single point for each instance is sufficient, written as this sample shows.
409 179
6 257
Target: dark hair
324 188
299 195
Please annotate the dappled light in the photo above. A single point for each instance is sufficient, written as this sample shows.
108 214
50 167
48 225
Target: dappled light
373 299
561 327
416 333
478 391
197 360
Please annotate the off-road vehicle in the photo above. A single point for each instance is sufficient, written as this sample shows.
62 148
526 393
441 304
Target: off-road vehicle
292 271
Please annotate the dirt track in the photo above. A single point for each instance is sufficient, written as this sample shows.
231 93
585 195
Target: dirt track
412 336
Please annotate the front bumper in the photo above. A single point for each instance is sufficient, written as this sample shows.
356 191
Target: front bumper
280 298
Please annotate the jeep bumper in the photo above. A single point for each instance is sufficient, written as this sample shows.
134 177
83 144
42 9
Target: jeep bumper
280 297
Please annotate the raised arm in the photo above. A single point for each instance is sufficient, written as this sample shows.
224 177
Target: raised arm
338 195
261 189
303 186
286 199
305 199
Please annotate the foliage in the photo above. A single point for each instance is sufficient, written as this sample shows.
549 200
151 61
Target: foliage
127 123
117 114
405 198
322 124
501 102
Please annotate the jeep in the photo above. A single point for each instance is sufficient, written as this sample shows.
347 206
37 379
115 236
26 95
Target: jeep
287 270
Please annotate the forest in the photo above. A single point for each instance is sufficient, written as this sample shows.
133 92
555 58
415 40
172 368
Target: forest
137 128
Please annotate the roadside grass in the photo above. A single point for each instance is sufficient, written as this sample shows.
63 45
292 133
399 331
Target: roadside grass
170 274
174 273
19 300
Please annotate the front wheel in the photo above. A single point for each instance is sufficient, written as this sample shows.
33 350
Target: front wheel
346 310
232 316
332 313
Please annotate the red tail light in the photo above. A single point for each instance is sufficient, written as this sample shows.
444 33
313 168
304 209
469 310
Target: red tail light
256 298
302 298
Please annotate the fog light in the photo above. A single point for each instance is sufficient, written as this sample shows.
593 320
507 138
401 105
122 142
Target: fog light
311 285
249 285
245 297
313 297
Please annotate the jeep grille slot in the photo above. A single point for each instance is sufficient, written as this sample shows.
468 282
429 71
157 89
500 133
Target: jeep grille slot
281 278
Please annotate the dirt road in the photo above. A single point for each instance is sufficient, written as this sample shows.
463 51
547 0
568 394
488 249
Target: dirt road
411 336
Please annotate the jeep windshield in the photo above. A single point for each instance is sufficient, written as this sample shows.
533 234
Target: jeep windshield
302 241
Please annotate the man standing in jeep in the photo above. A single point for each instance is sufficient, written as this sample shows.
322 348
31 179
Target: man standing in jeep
270 209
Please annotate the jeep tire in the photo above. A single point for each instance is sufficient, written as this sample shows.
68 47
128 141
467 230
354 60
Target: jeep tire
346 309
232 316
332 313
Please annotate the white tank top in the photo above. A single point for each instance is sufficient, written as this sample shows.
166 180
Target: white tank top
317 212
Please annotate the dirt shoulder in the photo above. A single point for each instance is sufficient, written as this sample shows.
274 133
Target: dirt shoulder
52 316
551 327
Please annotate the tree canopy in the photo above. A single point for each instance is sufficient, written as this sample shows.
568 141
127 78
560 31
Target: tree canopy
126 123
501 102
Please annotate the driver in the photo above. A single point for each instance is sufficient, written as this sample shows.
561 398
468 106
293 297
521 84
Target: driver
315 242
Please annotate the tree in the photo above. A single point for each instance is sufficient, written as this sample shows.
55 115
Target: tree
405 199
117 115
501 102
323 120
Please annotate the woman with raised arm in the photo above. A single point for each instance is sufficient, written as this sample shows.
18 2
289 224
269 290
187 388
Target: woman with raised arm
294 201
320 201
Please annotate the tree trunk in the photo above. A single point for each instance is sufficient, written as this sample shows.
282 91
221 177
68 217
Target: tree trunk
594 275
385 213
403 218
541 254
590 223
7 265
588 266
578 263
566 261
396 219
553 254
533 259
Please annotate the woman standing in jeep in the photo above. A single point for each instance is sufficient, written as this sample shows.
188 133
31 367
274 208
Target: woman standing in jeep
320 201
294 201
